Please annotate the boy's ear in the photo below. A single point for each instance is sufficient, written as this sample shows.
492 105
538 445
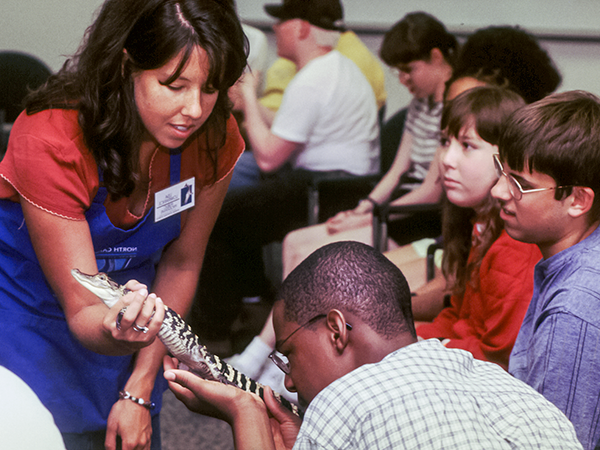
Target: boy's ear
582 200
436 56
304 29
336 323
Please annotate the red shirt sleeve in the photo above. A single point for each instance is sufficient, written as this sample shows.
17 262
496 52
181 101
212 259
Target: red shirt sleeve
47 163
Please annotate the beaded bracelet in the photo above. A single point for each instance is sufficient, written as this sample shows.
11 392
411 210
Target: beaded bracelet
124 395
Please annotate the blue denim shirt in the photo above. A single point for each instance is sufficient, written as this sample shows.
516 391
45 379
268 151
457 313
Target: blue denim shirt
557 351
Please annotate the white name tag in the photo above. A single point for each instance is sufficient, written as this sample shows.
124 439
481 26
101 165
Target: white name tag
174 199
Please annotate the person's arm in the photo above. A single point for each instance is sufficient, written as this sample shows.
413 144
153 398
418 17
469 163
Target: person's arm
63 244
430 191
270 151
429 300
361 215
176 279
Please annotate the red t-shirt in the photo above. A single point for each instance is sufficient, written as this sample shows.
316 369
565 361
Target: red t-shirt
48 164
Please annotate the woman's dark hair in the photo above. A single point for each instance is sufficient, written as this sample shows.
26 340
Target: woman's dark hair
485 108
413 38
508 57
98 82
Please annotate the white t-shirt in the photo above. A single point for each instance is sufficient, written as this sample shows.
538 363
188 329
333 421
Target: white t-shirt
329 107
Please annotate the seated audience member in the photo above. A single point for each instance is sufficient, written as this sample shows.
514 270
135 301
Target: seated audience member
327 123
501 56
422 51
247 171
549 191
346 341
491 274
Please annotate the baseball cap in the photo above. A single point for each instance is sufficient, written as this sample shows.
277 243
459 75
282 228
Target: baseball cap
326 14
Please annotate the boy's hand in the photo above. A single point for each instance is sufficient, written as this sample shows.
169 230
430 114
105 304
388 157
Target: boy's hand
210 398
284 425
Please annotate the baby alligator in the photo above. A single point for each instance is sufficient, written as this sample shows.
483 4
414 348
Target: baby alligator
181 341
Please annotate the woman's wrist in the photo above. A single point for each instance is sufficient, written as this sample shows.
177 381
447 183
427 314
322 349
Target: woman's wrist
126 395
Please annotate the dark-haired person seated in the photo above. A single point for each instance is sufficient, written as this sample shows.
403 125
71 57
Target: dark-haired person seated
549 190
347 343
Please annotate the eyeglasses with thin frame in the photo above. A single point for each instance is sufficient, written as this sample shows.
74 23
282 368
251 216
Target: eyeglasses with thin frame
279 359
514 187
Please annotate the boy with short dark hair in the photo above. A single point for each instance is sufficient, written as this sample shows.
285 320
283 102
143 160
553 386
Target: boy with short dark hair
347 344
549 190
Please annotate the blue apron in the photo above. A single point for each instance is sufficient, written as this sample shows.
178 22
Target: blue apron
78 386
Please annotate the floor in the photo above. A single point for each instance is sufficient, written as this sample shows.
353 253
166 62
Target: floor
182 429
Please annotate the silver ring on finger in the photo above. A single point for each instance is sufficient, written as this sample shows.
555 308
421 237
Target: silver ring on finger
119 317
136 327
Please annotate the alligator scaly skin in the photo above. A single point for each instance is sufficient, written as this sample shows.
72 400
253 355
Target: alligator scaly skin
181 342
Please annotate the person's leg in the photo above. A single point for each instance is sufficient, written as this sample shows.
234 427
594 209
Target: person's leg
411 260
300 243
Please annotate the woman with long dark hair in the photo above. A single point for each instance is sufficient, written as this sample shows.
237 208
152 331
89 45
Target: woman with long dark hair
119 164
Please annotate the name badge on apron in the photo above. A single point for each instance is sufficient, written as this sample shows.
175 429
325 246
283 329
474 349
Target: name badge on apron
174 199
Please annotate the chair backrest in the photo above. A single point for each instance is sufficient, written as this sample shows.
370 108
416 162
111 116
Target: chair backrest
19 73
391 134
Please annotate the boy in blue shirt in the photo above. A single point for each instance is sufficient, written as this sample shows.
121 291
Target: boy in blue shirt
549 190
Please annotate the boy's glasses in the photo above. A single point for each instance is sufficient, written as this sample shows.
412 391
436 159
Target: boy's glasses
280 360
515 189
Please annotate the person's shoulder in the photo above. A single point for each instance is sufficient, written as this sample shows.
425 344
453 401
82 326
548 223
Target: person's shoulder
49 124
580 261
570 282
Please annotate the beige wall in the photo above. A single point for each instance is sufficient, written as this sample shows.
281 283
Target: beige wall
52 29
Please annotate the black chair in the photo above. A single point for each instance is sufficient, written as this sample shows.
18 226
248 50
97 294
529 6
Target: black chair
19 73
330 194
382 216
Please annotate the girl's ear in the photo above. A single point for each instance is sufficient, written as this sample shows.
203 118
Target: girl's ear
582 201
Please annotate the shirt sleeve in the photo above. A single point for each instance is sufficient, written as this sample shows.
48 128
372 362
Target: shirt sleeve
197 161
49 166
298 114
